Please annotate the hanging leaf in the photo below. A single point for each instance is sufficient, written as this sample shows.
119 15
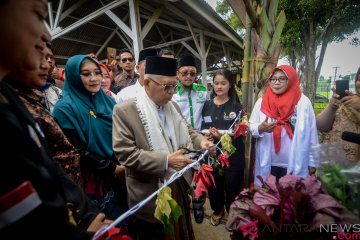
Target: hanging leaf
176 210
226 144
162 205
167 210
224 160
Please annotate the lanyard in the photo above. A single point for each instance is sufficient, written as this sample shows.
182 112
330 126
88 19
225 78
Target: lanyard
191 109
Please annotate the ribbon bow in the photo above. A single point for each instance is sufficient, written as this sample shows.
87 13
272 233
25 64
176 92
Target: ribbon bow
203 179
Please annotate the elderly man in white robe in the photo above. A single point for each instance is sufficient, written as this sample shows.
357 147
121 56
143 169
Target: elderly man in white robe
149 134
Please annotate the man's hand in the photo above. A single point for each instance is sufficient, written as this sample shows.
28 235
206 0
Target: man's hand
209 137
112 65
215 133
266 127
99 221
207 144
177 160
119 173
352 101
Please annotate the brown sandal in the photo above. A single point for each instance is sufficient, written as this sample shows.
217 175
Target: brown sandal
216 218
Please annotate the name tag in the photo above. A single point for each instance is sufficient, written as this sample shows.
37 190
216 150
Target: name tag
207 119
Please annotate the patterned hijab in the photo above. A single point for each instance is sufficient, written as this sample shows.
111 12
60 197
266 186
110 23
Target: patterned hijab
89 114
282 106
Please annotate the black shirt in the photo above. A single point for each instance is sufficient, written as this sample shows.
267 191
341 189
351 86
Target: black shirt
24 158
221 117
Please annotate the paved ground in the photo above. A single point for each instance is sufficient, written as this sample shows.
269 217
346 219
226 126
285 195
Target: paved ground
206 231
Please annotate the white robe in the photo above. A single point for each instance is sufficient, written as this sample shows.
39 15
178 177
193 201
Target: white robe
129 92
300 151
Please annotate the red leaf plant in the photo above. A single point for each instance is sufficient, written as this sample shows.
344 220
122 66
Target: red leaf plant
293 207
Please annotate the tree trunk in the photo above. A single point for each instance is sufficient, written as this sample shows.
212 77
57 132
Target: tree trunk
321 57
309 70
320 62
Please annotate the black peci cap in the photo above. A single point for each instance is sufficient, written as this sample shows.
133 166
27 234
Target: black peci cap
146 53
160 66
187 61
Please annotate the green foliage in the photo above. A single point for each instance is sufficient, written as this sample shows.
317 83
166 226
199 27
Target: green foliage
223 8
355 41
301 14
342 16
319 107
337 184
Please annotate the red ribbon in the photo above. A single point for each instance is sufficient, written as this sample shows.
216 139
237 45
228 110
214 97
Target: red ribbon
113 234
203 178
241 129
223 157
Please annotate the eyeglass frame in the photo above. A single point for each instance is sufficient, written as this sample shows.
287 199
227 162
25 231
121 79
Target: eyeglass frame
127 60
186 73
274 80
164 86
92 74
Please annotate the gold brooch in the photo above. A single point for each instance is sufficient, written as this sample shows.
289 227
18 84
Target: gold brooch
92 113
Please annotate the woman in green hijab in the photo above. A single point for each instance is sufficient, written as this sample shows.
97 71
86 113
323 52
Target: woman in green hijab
85 115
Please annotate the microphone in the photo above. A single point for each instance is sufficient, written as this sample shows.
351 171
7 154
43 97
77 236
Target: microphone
351 137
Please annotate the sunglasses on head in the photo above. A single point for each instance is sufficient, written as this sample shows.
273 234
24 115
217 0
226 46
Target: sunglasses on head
124 60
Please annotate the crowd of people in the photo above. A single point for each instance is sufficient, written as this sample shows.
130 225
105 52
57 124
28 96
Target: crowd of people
98 137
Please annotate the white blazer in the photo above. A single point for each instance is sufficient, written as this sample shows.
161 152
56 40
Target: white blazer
300 152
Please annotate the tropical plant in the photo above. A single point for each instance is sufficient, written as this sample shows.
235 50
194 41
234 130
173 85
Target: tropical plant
311 25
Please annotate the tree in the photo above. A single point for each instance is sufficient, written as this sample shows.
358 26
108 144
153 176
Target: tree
262 42
223 8
311 25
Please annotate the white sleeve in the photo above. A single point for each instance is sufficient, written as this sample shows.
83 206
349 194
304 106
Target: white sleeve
314 140
118 98
255 119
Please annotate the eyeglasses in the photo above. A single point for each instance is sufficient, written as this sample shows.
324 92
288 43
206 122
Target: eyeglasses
124 60
185 73
281 79
167 87
87 75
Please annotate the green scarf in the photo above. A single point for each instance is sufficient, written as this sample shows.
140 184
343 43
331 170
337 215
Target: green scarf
89 114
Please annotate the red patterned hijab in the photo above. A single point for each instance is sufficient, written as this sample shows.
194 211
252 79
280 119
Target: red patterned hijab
281 107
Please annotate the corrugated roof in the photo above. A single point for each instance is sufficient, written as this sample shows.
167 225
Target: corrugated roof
91 36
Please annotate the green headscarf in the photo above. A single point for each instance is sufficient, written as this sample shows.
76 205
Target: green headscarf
89 114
